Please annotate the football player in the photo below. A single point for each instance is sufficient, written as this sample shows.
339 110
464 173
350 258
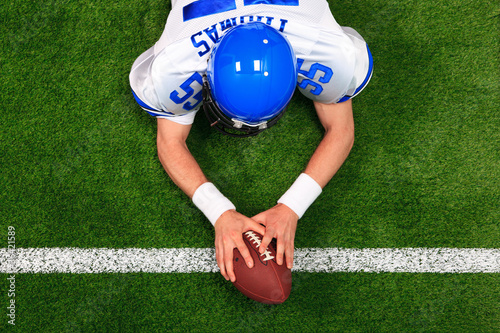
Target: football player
242 60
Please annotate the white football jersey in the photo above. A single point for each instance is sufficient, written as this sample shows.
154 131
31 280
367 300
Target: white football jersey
334 63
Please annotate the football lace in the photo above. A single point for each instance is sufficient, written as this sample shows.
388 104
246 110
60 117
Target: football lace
256 240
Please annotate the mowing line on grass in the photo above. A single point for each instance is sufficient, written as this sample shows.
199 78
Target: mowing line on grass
199 260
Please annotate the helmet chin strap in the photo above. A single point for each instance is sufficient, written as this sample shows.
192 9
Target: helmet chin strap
225 125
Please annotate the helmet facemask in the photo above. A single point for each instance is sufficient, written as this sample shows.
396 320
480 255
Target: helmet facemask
231 127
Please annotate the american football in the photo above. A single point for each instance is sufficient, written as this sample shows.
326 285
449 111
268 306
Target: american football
267 282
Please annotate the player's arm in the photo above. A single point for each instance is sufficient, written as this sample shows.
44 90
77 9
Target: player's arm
281 220
176 158
186 173
338 122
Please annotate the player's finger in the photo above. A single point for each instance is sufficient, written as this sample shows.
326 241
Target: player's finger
289 248
268 237
220 262
280 250
245 253
254 226
223 270
260 219
228 263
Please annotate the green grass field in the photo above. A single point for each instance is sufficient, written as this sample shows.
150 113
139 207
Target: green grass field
79 169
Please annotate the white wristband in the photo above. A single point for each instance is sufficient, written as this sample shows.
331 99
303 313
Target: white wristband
211 202
301 194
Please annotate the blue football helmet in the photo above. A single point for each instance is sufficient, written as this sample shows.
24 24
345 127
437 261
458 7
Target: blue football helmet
251 77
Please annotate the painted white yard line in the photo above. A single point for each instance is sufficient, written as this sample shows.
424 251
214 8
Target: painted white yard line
199 260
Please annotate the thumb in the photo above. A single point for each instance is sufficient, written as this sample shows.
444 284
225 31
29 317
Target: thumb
260 218
254 226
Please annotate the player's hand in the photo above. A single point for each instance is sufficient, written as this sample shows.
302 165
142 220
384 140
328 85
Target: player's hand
281 223
229 230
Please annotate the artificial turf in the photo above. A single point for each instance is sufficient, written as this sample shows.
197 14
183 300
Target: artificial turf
79 169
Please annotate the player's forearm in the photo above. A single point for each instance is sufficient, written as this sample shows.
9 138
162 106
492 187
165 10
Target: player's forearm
330 154
180 165
183 169
338 122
